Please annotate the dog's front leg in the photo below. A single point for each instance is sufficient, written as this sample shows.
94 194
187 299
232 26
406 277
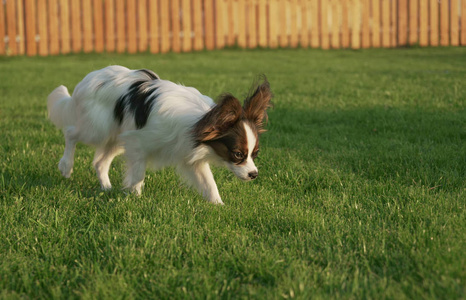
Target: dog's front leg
201 177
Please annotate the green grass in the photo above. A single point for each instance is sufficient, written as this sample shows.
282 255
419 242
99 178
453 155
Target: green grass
361 192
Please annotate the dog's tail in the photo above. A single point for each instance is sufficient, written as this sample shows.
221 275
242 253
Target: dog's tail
60 106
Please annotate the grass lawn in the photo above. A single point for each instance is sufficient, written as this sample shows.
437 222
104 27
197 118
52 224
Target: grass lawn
361 192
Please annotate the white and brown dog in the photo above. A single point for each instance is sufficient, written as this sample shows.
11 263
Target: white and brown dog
159 123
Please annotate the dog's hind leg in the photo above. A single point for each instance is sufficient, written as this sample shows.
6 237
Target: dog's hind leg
103 158
66 162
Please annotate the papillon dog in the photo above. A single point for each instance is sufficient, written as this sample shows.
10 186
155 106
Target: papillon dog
158 123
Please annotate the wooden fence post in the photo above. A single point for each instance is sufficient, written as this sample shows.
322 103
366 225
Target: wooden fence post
98 26
423 23
262 19
444 23
52 17
433 16
20 28
365 28
186 20
2 29
198 26
11 25
402 22
463 22
345 32
154 26
385 23
242 42
42 26
87 26
131 40
356 25
454 35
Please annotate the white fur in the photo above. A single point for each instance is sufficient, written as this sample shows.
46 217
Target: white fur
242 171
165 140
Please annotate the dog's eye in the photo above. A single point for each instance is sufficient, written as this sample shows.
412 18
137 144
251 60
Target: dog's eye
255 154
239 155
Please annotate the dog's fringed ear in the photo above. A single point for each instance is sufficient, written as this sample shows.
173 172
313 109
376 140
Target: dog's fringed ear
219 119
256 104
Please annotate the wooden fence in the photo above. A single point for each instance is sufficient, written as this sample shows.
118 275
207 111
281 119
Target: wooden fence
50 27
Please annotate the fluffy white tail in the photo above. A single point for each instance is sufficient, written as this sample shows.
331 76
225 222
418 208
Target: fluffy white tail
61 107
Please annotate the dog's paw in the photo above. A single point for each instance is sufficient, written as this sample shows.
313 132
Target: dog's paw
217 202
65 167
106 187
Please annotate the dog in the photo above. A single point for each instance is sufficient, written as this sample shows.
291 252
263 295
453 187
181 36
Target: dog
158 123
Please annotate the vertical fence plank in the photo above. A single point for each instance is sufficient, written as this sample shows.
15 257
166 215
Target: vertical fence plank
345 32
365 26
262 19
164 26
385 23
356 25
252 25
273 24
120 26
87 26
2 29
394 23
423 23
283 24
315 41
142 25
335 42
232 17
198 28
20 28
154 26
444 23
175 24
325 44
109 25
454 35
402 22
30 17
11 25
413 24
242 24
53 26
42 27
209 24
131 40
219 18
98 26
433 17
304 35
293 24
65 38
76 33
376 23
463 22
186 20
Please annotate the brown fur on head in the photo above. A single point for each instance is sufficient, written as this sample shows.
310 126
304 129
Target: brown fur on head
223 117
256 104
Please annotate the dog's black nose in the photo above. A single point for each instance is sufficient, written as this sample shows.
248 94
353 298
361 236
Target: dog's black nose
253 174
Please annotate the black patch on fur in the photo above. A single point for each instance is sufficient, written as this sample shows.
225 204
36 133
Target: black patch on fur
149 73
138 100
